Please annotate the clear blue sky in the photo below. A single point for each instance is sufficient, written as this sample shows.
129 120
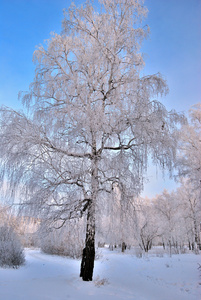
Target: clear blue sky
173 48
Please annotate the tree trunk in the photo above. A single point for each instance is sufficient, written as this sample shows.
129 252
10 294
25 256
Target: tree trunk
123 247
88 256
196 235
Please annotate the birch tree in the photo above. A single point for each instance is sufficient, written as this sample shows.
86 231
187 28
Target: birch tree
92 119
189 159
189 198
147 227
170 219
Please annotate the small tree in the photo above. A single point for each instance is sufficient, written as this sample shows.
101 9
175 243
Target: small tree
93 120
11 251
148 227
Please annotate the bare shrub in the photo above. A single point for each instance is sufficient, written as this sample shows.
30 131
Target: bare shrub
138 252
159 252
11 251
100 282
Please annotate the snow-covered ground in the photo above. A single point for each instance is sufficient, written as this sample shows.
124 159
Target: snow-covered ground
47 277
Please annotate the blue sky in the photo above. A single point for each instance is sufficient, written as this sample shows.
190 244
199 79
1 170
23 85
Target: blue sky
173 48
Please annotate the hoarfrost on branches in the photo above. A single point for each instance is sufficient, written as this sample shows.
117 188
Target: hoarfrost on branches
92 120
188 161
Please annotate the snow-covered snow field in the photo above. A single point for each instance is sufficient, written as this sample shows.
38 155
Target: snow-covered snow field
116 276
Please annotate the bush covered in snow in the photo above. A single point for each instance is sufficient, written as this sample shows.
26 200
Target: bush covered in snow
11 251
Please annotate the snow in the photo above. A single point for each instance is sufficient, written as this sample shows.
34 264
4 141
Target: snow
125 276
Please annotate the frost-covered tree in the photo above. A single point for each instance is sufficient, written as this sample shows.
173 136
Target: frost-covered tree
92 119
167 208
189 160
11 251
147 225
189 165
190 206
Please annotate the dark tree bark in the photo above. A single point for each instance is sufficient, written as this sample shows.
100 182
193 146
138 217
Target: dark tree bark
88 255
189 245
123 247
